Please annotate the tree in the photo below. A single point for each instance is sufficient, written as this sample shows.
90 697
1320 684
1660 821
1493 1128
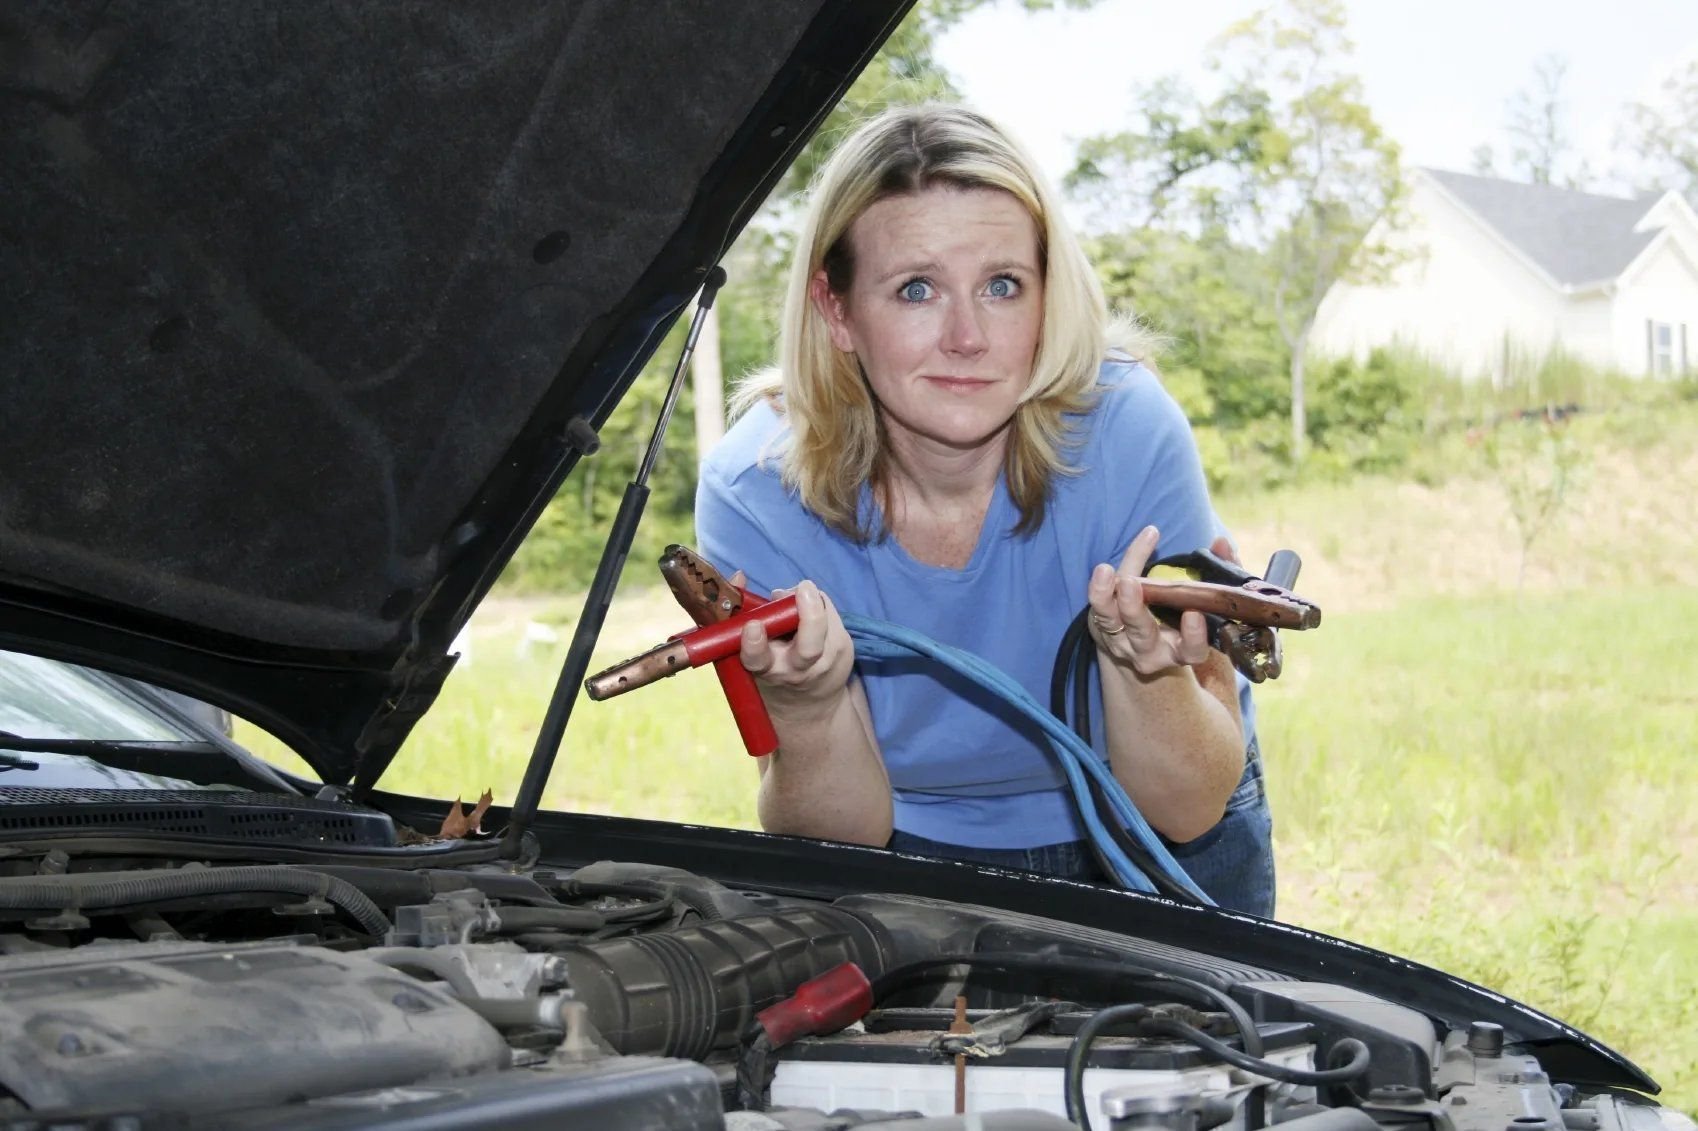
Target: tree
1287 160
1663 134
1537 464
1541 144
1224 361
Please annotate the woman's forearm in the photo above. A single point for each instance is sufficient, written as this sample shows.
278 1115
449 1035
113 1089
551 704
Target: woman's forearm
827 778
1175 741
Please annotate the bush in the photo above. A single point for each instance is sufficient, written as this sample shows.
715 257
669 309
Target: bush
1366 416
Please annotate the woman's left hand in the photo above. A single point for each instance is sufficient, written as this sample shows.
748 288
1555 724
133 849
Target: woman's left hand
1123 626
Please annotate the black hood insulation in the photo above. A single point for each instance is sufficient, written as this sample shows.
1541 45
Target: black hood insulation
300 300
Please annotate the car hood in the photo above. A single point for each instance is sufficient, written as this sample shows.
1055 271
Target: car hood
307 306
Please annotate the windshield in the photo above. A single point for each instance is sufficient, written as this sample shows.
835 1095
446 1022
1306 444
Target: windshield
45 700
41 698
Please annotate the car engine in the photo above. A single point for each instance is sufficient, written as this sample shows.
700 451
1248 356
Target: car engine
147 990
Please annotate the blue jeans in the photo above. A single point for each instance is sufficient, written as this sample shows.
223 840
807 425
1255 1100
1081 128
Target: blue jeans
1233 861
1070 860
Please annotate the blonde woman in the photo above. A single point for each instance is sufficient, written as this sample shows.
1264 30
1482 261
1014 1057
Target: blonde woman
959 440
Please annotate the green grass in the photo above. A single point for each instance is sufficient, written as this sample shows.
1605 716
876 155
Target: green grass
1504 788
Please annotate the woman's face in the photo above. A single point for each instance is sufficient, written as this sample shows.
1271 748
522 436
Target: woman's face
944 313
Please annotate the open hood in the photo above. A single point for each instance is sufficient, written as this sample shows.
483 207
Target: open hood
300 301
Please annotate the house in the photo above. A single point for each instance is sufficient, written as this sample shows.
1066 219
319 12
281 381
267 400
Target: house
1498 273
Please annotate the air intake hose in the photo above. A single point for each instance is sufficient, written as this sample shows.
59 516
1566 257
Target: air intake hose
686 992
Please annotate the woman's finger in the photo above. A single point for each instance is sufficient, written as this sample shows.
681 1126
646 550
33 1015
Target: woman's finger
1099 592
811 624
1138 553
754 649
1193 638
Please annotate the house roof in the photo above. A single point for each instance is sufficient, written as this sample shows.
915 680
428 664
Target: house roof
1576 237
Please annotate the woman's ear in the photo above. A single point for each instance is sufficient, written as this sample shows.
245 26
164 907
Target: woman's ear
830 306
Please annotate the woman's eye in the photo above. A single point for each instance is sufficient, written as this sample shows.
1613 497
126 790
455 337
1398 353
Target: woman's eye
1003 286
916 290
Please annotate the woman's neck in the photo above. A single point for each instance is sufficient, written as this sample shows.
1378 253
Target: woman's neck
937 477
935 499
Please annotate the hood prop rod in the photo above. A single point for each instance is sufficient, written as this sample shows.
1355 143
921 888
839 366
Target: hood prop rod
613 554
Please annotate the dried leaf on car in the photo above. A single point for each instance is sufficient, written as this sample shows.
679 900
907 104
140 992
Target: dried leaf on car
459 823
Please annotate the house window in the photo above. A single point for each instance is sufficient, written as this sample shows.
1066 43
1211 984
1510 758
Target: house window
1660 348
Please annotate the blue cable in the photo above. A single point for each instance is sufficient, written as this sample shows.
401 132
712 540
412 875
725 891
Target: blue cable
881 640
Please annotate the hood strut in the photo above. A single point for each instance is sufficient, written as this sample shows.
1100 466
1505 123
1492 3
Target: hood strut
613 553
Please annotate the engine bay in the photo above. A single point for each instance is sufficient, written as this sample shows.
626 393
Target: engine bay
148 990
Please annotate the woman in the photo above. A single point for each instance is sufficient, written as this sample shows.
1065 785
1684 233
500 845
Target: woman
950 443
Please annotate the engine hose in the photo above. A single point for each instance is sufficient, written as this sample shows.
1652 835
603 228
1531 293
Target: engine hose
694 989
880 640
699 902
393 887
36 893
437 962
550 918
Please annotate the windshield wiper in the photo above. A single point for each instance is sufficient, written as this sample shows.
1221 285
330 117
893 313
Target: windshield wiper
189 759
93 747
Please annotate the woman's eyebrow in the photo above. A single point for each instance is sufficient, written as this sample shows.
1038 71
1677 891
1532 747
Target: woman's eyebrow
929 267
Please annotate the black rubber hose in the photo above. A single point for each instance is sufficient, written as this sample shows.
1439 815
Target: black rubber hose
699 902
650 908
1356 1067
550 918
59 893
391 887
1073 1073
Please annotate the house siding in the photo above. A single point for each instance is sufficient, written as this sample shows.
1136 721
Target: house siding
1662 289
1463 299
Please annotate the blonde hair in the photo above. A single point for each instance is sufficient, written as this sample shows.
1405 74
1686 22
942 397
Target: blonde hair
836 437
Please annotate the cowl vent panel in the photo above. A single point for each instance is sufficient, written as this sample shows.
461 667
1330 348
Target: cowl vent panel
220 814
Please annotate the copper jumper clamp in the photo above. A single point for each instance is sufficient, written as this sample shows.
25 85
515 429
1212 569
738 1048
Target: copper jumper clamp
720 609
1243 611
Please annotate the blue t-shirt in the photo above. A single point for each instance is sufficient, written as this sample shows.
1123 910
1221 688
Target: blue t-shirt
963 768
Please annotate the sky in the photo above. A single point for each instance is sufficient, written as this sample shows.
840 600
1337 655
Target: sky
1438 75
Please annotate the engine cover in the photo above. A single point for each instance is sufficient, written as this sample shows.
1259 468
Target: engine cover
189 1027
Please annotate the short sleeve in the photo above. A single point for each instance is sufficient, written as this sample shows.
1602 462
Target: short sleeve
1155 472
729 534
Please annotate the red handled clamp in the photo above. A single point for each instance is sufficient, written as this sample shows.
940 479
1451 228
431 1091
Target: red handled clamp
720 609
709 598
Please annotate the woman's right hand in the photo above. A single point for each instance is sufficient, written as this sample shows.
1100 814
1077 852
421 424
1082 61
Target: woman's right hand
804 675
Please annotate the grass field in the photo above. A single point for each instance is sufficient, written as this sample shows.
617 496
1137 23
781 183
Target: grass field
1495 779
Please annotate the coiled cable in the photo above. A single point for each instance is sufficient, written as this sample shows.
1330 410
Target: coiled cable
1080 765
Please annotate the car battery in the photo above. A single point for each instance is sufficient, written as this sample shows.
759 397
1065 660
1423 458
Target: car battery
892 1063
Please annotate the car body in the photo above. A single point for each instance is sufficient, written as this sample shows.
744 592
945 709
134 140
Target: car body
309 311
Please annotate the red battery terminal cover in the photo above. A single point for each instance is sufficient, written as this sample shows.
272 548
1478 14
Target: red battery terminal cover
834 1000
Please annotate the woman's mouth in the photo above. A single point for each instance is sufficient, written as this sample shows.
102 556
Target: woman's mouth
960 384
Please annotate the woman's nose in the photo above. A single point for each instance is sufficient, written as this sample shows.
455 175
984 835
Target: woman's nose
964 329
